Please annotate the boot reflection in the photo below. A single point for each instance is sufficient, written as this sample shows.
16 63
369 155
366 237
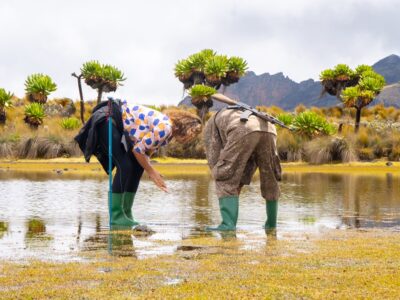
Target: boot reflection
120 243
271 234
117 243
228 235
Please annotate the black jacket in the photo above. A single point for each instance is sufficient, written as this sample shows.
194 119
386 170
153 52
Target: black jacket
87 137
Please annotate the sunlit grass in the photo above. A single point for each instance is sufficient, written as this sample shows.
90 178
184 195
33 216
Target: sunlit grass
381 140
171 167
342 265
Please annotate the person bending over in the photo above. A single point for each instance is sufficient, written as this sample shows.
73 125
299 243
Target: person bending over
234 150
137 133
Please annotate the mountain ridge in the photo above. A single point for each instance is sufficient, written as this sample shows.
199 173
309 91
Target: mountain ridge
277 89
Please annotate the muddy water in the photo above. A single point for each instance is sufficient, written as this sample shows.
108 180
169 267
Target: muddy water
59 217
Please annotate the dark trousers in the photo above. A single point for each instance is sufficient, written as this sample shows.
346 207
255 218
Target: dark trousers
129 171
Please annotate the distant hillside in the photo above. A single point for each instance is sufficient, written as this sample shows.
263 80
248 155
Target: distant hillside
280 90
390 95
389 67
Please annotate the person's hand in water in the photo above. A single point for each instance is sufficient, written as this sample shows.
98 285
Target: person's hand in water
158 180
144 161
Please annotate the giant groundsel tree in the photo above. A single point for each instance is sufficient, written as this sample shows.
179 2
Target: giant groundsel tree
355 88
103 78
204 72
5 102
38 86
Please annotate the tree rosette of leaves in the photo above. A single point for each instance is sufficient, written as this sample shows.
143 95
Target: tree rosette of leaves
208 68
201 95
368 87
5 102
34 114
38 86
201 99
215 70
104 77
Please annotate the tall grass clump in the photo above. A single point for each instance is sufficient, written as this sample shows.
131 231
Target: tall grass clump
194 149
8 144
329 149
46 147
289 146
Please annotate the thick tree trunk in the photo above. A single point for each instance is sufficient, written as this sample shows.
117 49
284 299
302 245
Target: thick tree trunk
79 78
358 117
82 102
100 93
2 116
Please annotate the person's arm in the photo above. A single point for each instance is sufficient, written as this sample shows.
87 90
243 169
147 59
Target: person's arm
148 143
144 161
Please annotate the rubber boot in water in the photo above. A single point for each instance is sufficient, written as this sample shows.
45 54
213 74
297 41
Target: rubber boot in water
229 208
272 214
128 199
119 218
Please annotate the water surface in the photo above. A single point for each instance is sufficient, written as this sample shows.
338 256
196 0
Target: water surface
59 217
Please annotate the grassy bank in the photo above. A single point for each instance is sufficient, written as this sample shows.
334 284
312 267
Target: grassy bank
378 138
188 166
342 265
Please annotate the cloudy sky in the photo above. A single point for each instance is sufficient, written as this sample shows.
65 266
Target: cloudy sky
145 39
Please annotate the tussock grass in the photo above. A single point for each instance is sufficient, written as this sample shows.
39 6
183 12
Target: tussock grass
378 137
51 147
6 149
289 146
329 149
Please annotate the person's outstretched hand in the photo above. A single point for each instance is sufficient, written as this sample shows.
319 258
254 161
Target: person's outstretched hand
158 180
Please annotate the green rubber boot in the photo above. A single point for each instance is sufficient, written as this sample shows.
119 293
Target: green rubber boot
119 217
229 208
272 214
128 198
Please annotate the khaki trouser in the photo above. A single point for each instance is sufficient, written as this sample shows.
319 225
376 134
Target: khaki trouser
234 151
239 160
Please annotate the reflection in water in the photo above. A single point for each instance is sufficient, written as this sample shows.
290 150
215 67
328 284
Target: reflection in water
200 203
35 227
357 201
117 243
3 228
36 236
74 217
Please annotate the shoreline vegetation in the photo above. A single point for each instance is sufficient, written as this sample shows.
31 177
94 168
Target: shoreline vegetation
307 267
172 166
323 135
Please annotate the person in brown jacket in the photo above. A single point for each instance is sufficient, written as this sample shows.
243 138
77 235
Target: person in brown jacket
234 150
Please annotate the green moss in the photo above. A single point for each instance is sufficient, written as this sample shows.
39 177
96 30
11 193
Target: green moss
3 226
343 264
173 166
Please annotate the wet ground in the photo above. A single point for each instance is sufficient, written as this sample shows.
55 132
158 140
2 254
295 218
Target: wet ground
58 217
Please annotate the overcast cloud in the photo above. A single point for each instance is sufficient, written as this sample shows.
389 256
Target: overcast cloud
146 38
